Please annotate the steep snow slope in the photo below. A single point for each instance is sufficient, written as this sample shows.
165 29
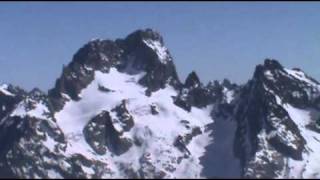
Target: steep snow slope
163 127
310 165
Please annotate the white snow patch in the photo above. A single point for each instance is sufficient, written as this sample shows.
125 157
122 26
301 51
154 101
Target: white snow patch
269 75
300 75
38 111
103 57
4 90
160 50
66 96
49 143
54 174
87 170
229 94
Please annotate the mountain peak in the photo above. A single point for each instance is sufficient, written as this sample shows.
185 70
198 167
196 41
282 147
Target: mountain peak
147 42
272 64
147 33
36 92
141 51
290 85
192 80
144 50
267 70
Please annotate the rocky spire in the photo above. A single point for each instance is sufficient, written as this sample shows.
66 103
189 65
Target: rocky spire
192 80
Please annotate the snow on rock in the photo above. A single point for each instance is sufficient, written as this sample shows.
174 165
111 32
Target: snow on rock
264 155
161 51
157 132
269 75
54 174
300 75
38 110
229 94
50 143
309 167
4 90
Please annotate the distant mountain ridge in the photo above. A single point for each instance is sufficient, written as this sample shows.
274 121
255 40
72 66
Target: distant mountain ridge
119 110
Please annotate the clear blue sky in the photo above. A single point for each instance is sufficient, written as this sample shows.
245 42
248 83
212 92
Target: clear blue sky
215 39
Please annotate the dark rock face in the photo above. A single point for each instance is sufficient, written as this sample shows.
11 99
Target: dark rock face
182 102
124 116
100 133
193 93
294 91
216 90
199 97
192 80
259 111
180 144
96 55
8 102
140 50
226 83
148 170
104 89
21 134
194 132
153 109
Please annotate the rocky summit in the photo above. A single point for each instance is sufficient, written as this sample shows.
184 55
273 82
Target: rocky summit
119 110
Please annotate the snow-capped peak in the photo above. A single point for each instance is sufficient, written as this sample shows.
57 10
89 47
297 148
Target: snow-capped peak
118 110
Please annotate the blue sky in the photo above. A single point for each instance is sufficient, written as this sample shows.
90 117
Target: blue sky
216 39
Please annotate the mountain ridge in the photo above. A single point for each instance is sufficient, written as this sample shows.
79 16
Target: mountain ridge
119 109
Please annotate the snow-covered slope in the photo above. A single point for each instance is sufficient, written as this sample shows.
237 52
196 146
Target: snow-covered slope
157 132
